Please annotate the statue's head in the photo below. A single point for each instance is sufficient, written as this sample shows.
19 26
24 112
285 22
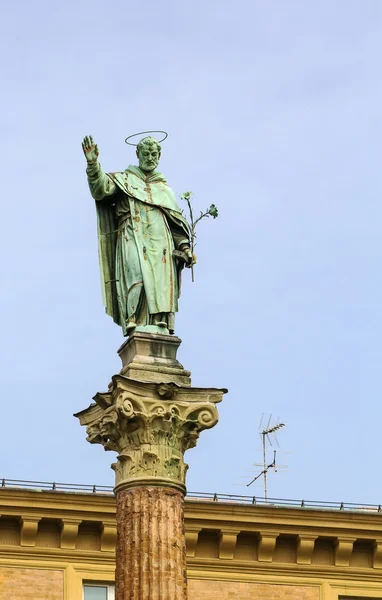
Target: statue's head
148 153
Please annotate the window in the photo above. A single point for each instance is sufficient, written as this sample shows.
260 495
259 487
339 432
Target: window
98 592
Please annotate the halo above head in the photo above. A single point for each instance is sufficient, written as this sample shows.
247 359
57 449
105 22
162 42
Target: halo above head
143 133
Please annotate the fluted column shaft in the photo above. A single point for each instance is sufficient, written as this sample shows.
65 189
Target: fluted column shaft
151 551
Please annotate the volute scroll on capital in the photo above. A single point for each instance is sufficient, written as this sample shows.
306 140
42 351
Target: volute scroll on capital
114 425
150 426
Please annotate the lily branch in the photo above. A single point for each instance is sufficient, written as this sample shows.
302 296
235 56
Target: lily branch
212 211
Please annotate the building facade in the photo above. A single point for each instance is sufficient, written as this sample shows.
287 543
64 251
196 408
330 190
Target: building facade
57 545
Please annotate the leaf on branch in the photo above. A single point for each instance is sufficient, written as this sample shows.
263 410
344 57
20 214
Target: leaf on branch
213 211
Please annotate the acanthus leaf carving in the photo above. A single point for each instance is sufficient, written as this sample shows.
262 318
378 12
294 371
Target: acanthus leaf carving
151 427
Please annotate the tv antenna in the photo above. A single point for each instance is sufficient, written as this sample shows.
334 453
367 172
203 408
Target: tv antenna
265 433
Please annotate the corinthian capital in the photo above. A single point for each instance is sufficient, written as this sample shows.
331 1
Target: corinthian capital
150 425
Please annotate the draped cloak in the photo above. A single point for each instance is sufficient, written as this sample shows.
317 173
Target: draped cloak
139 226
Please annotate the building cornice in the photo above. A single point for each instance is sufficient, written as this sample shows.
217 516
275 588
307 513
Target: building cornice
214 534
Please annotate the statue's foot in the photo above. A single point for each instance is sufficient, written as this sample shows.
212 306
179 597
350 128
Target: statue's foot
161 324
131 325
159 321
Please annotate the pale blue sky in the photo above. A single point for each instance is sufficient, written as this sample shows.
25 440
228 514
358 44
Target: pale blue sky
274 114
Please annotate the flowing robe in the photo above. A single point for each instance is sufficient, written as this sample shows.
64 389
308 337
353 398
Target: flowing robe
139 226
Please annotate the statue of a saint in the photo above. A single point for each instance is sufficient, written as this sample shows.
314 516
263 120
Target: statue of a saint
139 226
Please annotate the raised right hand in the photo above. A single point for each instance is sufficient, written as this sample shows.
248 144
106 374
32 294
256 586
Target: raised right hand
90 149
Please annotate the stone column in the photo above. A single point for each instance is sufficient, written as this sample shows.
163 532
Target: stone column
150 422
151 561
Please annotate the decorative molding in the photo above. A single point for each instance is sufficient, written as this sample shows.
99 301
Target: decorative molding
29 528
377 554
305 547
267 544
306 524
69 533
192 537
108 538
227 543
343 549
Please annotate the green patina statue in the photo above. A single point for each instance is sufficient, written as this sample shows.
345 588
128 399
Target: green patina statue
144 240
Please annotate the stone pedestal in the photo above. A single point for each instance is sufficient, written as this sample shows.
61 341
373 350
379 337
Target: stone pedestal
152 357
150 416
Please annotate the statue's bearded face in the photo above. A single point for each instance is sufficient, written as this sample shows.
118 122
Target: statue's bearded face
148 155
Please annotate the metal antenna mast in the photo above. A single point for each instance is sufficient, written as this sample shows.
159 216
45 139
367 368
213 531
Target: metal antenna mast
265 433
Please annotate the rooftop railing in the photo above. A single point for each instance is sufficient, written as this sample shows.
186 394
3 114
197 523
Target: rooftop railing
78 488
55 486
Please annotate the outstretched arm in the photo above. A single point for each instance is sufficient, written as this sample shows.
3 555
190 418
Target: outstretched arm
100 183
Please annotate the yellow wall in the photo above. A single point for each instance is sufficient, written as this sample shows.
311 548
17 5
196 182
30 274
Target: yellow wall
51 542
227 590
28 584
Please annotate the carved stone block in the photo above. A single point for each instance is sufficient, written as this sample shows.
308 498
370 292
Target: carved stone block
267 544
343 551
29 529
152 357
